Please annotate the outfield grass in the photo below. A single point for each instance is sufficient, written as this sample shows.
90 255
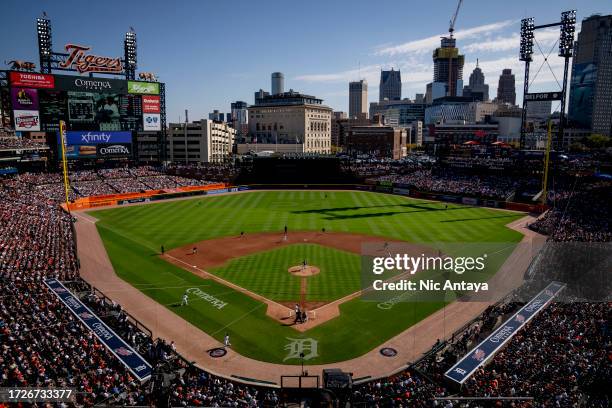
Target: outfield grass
133 236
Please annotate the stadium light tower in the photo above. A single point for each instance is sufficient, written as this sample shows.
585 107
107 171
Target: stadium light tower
45 43
525 55
566 51
129 45
566 48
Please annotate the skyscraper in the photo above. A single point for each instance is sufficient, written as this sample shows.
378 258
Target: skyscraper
278 83
448 64
390 86
240 118
358 98
590 102
506 90
477 87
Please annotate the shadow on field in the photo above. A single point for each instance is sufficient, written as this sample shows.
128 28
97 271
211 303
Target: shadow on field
480 218
330 212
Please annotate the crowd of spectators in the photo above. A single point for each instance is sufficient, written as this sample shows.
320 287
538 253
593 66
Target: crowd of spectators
35 236
215 172
561 358
485 186
578 215
12 142
42 344
86 183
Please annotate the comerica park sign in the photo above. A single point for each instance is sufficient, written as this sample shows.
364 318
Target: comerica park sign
79 60
543 96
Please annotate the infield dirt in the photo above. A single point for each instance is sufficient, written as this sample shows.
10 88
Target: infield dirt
203 255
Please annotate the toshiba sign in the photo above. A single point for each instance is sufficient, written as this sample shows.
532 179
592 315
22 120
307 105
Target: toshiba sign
30 80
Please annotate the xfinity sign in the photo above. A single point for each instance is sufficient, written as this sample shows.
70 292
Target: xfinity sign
81 138
95 138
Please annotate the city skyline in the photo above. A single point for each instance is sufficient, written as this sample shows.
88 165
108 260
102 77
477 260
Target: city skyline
220 71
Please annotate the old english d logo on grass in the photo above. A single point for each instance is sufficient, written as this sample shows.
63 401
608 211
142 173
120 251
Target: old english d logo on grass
298 347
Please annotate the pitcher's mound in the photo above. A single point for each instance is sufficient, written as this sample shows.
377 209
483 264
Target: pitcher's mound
301 270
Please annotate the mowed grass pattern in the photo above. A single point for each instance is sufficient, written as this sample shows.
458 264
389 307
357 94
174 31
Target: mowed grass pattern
266 273
133 236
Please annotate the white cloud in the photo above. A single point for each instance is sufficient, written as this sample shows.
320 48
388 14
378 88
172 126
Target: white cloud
546 38
428 44
342 76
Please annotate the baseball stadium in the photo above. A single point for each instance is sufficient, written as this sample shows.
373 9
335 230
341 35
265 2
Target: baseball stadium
220 263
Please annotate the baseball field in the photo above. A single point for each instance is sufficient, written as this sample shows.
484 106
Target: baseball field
239 239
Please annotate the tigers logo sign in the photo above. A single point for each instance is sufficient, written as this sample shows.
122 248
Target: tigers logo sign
80 61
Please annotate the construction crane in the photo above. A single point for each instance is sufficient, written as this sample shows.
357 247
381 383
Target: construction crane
452 84
451 27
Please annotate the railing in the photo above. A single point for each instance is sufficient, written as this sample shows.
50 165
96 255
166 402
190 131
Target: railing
135 322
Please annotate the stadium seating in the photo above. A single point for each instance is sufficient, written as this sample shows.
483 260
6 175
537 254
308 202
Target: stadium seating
561 358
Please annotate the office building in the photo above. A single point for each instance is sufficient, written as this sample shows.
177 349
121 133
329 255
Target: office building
539 110
358 98
291 118
390 86
204 141
448 67
278 83
398 113
416 135
506 89
341 126
260 95
338 117
240 119
433 91
378 141
459 109
217 116
590 100
476 87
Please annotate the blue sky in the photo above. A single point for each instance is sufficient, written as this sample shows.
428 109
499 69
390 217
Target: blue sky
210 53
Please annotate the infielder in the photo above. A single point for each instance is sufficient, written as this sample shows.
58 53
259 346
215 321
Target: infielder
226 340
185 301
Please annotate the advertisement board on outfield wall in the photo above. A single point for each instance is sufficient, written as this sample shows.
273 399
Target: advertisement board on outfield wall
143 88
31 80
401 191
469 201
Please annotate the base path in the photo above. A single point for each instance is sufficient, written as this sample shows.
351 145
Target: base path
193 343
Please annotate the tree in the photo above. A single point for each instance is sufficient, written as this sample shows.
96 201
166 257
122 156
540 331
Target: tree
598 141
